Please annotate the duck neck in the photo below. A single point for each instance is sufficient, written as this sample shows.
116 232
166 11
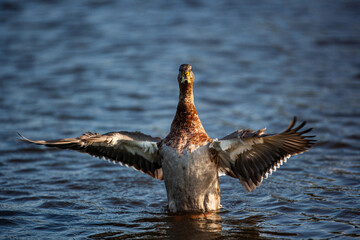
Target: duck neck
186 118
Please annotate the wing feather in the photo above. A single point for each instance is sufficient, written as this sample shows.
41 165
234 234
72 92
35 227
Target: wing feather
132 149
252 156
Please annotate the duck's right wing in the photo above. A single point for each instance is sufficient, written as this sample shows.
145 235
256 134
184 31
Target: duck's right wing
251 156
133 149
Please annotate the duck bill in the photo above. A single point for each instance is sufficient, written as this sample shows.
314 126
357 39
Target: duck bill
186 77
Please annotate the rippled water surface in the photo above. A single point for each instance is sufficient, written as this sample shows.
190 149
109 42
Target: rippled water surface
67 67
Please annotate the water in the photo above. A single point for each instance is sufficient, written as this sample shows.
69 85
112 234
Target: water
68 67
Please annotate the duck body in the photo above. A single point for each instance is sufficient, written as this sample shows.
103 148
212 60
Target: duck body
187 159
191 180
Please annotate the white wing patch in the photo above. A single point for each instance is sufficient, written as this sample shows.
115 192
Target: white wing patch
234 147
275 167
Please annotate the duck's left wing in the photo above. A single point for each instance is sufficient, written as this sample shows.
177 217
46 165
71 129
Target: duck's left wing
251 156
133 149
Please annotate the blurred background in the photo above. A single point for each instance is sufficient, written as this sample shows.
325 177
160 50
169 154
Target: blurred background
67 67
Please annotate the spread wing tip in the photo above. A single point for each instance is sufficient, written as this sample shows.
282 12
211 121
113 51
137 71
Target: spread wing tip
24 139
291 130
70 143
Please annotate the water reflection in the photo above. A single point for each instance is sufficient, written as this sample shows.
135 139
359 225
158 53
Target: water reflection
195 226
190 226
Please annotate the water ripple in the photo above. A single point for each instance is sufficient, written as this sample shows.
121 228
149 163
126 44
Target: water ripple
68 67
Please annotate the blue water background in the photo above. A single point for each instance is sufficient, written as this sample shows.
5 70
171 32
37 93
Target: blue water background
68 67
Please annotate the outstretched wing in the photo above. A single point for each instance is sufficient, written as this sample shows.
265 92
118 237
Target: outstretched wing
133 149
251 156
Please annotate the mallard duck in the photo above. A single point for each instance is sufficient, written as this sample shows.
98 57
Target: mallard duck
187 159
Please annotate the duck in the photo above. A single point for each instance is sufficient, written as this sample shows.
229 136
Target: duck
187 159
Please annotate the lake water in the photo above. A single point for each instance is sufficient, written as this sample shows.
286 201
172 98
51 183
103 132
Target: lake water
67 67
